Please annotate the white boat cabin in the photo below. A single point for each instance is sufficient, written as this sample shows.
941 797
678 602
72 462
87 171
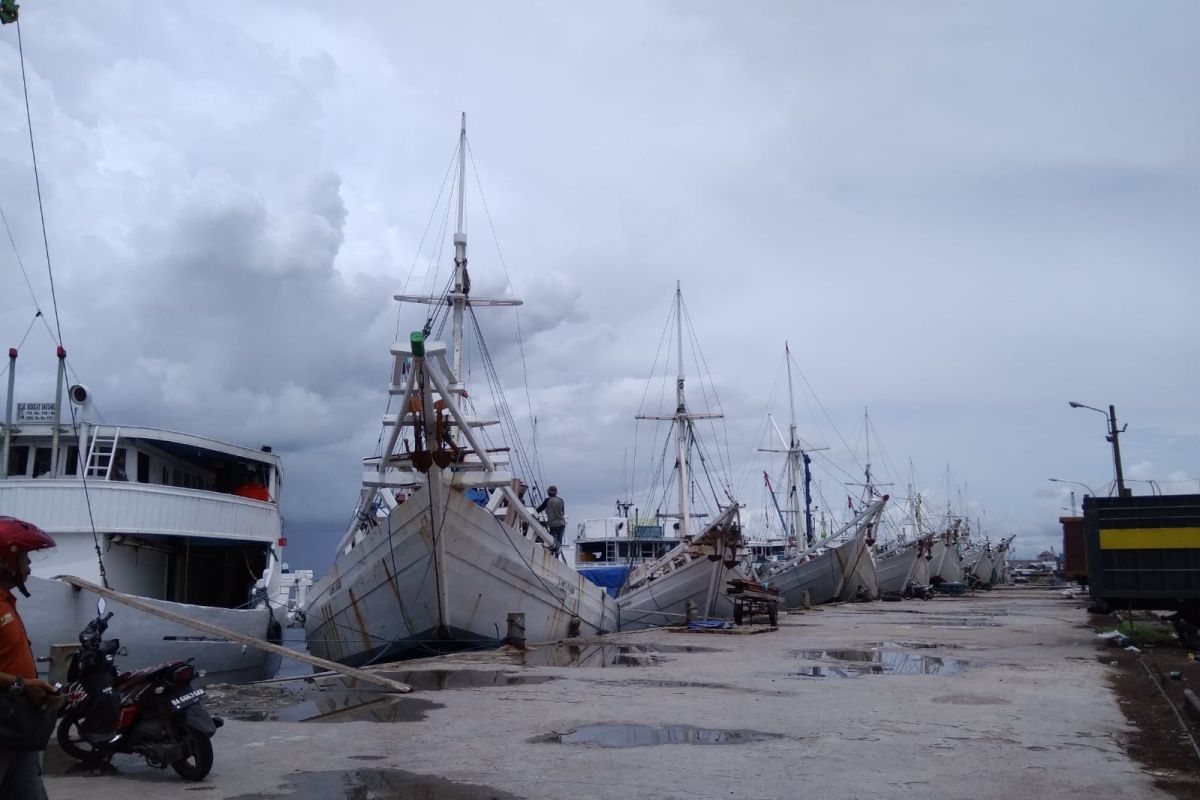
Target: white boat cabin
176 517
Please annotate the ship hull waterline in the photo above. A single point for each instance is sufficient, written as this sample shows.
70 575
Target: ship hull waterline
382 600
664 601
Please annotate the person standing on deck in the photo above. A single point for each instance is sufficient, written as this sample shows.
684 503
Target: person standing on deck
556 516
20 770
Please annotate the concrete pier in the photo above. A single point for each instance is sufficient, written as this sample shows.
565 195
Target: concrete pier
996 695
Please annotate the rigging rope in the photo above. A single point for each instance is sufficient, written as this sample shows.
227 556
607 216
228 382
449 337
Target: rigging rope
520 337
37 180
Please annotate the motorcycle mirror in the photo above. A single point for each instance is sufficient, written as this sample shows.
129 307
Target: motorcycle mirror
100 606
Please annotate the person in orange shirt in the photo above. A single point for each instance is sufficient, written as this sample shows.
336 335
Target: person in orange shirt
20 770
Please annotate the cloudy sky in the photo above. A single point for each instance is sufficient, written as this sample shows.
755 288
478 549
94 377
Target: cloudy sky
960 216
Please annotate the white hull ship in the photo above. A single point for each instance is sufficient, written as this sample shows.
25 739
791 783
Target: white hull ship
1000 573
838 568
690 580
902 564
190 525
405 588
692 577
442 548
945 566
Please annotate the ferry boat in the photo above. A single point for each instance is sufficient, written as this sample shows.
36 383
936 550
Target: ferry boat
605 550
187 523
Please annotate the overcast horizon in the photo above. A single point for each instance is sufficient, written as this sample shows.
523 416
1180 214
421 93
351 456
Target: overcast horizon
958 217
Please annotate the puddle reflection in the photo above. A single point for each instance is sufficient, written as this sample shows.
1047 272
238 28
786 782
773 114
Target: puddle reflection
876 662
617 735
380 784
604 655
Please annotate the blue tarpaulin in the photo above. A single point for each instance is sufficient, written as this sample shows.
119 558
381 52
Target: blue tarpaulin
611 578
700 624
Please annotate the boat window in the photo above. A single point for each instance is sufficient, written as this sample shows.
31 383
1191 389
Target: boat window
18 461
72 465
41 461
143 467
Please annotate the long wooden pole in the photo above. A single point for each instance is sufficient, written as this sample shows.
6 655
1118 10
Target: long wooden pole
249 641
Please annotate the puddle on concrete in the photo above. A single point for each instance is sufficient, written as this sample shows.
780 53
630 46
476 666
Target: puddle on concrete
349 707
876 662
434 680
618 735
378 784
953 622
334 701
915 646
971 700
604 655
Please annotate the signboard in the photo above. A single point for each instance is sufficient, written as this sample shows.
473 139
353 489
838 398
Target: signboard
35 412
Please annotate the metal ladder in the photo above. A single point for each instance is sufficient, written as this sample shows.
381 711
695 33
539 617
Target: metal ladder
101 453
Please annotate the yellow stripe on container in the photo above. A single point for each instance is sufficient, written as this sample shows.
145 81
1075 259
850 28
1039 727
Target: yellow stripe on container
1150 539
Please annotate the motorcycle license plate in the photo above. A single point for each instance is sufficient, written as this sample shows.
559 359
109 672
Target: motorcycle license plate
187 699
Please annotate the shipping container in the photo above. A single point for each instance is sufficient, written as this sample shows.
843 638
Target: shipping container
1074 566
1144 552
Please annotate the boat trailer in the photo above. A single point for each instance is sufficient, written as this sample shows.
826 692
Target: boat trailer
750 598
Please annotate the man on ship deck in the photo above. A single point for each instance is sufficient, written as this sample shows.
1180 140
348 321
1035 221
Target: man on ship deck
556 516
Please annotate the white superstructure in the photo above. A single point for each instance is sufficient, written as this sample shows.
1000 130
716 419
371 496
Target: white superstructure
189 523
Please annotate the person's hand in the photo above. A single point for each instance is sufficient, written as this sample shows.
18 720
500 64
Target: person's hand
42 694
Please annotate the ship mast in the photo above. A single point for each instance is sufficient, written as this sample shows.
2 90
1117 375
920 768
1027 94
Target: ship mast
798 462
681 418
462 283
793 467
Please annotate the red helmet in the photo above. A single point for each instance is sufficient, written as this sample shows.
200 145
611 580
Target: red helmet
17 537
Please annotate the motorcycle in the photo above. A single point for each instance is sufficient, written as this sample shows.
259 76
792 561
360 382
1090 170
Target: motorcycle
153 712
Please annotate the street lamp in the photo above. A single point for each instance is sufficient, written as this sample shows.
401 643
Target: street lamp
1077 483
1111 418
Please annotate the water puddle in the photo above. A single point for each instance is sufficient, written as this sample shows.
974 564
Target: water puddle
618 735
604 655
338 700
915 646
348 707
876 662
951 622
436 680
378 784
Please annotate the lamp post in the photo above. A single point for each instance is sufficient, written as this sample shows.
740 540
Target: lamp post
1113 432
1077 483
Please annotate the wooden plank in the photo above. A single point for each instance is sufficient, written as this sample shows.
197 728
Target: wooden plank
249 641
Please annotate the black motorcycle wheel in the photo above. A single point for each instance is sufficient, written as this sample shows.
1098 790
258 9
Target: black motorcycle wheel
72 741
195 766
